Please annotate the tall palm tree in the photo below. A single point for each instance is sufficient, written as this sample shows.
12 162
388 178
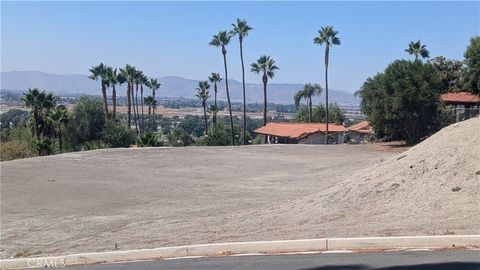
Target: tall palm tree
265 65
136 114
59 118
101 72
328 37
221 40
418 50
241 28
128 74
40 104
202 94
307 92
215 78
143 81
114 78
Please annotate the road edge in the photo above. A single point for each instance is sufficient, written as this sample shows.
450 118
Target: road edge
259 247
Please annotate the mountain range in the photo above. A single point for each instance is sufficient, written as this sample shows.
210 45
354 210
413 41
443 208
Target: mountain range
172 86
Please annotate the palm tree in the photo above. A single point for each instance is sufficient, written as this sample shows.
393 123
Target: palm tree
59 118
418 50
265 65
40 104
137 79
154 85
152 104
241 28
213 110
307 92
221 40
203 87
215 78
143 81
114 78
101 72
327 36
128 73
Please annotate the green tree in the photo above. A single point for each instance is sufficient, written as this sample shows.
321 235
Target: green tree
179 137
59 118
328 37
450 73
472 61
101 72
402 103
203 95
115 134
40 104
86 123
308 91
265 65
418 50
242 29
222 39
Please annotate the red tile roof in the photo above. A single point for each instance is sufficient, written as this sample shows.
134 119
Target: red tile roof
461 97
362 127
297 130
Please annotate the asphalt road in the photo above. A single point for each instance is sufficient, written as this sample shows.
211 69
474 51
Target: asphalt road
411 260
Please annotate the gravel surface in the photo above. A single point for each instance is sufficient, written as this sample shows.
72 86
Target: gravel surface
145 198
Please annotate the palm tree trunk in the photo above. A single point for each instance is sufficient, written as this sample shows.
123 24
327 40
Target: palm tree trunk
232 133
326 92
215 90
153 109
135 108
142 128
129 106
265 81
310 109
205 117
104 94
244 97
114 100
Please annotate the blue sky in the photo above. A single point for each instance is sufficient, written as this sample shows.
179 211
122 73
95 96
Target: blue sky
171 38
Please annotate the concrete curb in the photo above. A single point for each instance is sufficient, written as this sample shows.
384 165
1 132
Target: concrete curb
261 247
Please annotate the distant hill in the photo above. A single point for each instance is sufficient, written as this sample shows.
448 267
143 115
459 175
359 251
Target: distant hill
172 86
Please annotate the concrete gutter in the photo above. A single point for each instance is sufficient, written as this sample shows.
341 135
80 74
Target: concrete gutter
262 247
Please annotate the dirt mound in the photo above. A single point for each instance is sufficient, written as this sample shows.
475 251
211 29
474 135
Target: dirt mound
432 188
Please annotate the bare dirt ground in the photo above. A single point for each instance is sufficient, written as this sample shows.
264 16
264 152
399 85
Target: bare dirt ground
145 198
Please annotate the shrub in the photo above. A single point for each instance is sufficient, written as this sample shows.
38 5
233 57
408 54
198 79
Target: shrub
149 139
117 135
179 137
16 149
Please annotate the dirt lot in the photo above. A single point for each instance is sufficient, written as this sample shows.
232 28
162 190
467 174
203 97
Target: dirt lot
144 198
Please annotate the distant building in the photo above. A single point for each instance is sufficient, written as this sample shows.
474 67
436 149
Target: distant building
361 132
301 133
463 104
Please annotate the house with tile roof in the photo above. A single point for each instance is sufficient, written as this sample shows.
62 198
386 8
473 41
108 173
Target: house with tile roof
463 104
302 133
361 132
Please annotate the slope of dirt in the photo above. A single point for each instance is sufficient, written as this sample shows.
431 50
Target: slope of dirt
433 188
